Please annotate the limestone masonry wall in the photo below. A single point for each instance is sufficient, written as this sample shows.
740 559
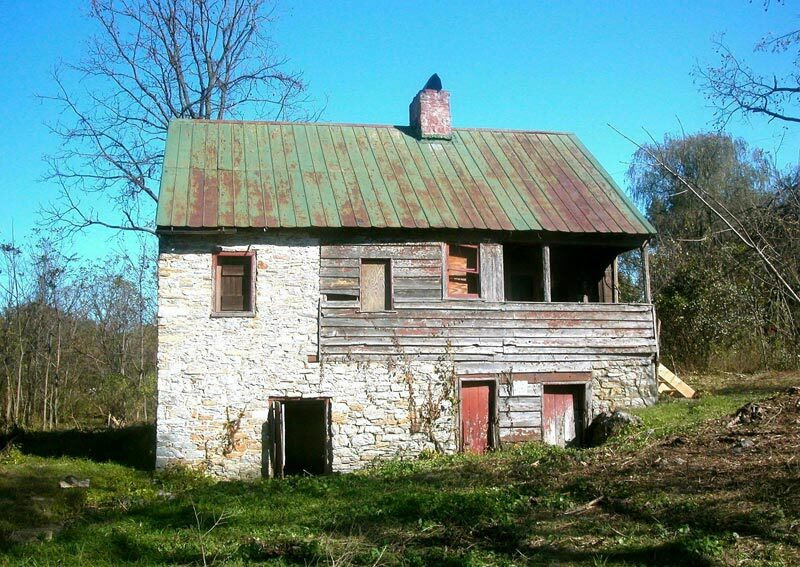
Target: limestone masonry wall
216 375
623 383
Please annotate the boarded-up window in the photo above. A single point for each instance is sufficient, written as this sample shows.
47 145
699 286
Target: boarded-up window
233 274
463 271
376 285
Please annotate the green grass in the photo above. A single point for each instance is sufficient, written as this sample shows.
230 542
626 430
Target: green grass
512 507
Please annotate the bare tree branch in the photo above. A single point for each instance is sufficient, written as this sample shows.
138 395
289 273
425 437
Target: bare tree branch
151 61
733 87
723 213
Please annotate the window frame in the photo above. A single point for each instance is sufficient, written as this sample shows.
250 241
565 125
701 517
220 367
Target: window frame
446 271
389 282
216 275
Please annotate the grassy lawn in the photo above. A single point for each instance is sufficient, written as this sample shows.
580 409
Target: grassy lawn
681 490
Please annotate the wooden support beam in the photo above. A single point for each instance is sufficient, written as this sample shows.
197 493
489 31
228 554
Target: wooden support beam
546 272
667 381
645 251
615 281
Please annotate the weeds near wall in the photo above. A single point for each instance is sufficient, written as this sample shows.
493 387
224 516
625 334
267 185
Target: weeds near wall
505 380
231 428
436 402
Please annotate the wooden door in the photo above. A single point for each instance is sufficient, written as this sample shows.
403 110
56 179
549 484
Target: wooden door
278 439
476 414
562 414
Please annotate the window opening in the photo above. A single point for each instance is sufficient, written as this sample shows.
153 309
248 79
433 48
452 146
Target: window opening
463 271
522 272
582 273
233 273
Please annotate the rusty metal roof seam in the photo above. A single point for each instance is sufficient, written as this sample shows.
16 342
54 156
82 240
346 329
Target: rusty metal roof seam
325 175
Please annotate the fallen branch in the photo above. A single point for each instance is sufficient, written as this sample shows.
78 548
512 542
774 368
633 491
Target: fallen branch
585 507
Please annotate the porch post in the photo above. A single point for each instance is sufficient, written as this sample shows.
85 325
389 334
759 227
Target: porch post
645 250
615 280
546 272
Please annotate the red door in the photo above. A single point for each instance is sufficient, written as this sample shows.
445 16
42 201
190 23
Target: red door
562 414
476 409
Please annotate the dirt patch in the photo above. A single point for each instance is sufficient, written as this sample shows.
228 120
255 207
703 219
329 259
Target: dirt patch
735 481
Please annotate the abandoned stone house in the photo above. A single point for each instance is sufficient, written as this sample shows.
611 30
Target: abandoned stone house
333 294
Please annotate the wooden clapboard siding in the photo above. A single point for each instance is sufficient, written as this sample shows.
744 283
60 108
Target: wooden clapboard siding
482 331
416 270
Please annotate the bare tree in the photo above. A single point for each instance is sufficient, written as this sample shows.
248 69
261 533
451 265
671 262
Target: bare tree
734 87
149 62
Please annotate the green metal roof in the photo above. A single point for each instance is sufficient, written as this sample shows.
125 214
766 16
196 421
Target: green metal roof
270 174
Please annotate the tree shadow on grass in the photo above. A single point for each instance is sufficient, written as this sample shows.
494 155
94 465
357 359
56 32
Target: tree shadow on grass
132 446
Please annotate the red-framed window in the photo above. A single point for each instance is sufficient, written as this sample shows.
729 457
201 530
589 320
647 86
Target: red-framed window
463 270
234 282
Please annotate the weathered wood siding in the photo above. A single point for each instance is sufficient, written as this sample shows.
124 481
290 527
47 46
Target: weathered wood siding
416 271
483 331
481 337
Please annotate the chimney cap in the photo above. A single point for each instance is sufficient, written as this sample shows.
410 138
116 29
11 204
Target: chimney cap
433 84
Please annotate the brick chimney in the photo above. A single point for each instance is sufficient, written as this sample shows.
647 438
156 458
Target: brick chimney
429 112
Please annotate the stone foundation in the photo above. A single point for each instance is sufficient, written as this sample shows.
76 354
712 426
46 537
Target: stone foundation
623 383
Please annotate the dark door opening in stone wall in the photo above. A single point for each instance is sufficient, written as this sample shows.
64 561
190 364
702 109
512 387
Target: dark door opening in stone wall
477 415
563 413
299 443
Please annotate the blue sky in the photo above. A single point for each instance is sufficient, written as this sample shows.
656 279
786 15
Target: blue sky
568 66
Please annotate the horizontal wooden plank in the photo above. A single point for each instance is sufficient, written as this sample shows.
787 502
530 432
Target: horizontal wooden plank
520 403
540 344
520 419
501 328
418 282
406 251
492 367
349 303
417 271
340 272
339 262
489 332
544 377
520 434
579 342
477 353
477 304
608 349
441 310
326 283
415 294
417 263
412 341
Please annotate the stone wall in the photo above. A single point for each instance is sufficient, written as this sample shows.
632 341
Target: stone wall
630 382
386 410
216 375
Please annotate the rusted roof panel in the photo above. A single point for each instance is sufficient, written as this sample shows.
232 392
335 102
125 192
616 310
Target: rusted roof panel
271 175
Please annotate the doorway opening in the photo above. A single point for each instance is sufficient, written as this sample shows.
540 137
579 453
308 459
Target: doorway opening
300 441
477 415
563 414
